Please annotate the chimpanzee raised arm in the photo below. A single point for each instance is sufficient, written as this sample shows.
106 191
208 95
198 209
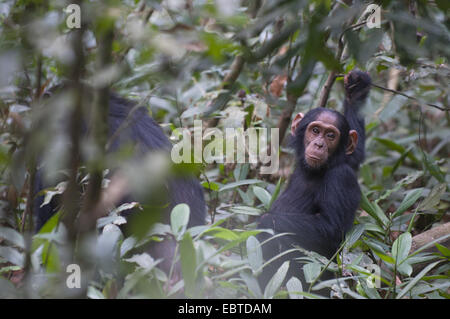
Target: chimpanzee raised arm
357 87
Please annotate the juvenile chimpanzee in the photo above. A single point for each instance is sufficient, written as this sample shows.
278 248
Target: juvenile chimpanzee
132 125
320 201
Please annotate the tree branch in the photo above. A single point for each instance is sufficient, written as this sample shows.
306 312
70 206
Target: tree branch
430 235
411 97
100 128
332 76
71 195
405 95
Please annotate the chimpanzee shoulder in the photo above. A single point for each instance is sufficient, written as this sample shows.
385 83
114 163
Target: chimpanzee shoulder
135 124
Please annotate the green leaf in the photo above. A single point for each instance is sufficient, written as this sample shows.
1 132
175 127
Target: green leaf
371 293
50 258
124 207
276 281
434 170
94 293
386 258
248 117
222 233
254 253
401 247
311 271
444 250
402 158
188 264
294 286
7 269
405 268
247 197
241 171
390 144
416 279
239 183
218 46
396 147
12 256
179 219
263 195
50 224
58 190
366 174
400 251
108 241
12 236
211 186
373 227
380 214
408 201
433 197
246 210
116 220
143 260
354 234
374 211
275 193
127 245
410 178
252 283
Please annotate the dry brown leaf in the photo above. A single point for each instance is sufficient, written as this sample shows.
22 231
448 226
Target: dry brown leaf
277 85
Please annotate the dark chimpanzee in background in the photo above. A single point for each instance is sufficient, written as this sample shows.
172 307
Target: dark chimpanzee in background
133 125
319 204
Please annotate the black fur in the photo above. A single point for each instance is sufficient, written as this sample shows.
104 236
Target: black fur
146 135
318 205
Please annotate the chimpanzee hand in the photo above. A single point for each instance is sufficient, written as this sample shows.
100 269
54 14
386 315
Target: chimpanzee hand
357 85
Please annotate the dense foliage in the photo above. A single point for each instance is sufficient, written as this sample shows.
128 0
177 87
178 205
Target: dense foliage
251 64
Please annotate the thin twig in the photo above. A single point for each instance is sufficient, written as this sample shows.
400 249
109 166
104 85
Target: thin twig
411 97
353 26
405 95
332 76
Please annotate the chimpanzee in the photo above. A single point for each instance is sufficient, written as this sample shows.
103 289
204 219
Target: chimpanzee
320 201
131 124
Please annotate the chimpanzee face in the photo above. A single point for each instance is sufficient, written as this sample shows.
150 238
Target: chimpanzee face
321 139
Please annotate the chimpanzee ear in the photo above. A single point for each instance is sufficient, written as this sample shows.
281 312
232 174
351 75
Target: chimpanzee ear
295 122
352 142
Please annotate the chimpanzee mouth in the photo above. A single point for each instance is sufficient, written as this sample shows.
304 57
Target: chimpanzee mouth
314 158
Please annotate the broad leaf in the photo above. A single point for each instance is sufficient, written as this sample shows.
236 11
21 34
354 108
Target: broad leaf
254 253
311 271
294 286
276 281
188 264
263 195
408 201
179 219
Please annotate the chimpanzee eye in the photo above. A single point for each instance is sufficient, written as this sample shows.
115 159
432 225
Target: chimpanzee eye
331 136
315 130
